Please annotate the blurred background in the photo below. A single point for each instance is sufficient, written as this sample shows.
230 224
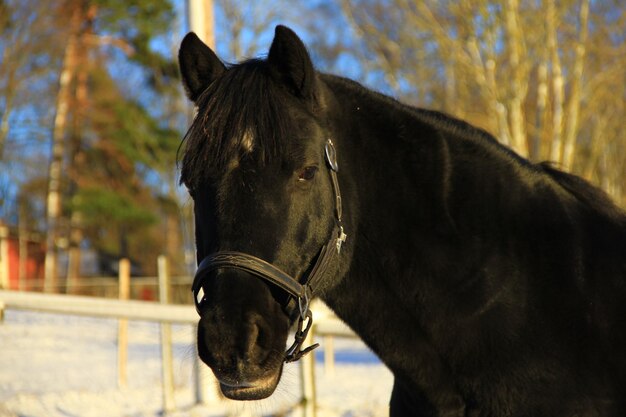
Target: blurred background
92 112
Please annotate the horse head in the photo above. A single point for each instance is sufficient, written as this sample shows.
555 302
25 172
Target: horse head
259 165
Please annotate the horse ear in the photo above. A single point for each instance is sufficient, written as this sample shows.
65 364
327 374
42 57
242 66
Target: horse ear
199 66
289 57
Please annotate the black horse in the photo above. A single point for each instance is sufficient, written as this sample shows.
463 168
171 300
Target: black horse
489 285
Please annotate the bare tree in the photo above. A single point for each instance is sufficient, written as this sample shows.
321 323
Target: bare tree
545 77
23 51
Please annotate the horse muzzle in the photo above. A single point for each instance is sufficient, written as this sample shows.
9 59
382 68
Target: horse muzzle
245 390
242 333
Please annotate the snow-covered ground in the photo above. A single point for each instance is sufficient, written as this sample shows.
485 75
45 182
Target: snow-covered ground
66 366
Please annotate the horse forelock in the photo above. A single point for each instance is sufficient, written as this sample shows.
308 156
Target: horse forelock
241 114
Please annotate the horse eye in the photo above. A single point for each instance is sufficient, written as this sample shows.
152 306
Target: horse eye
307 173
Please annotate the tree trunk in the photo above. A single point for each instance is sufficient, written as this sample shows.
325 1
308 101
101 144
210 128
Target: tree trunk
540 111
518 86
76 220
53 209
8 103
202 21
571 127
556 144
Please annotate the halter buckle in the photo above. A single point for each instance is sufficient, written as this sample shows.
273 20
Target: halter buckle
294 353
341 239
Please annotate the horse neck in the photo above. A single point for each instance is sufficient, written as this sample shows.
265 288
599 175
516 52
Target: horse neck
439 198
433 195
414 169
451 231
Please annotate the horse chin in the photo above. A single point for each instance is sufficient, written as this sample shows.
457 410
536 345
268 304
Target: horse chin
250 391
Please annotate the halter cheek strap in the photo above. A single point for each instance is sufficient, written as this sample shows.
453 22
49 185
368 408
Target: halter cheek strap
302 290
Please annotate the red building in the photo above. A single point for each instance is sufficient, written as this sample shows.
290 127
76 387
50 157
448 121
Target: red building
32 260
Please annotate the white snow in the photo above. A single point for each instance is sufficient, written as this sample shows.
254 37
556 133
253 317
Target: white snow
66 366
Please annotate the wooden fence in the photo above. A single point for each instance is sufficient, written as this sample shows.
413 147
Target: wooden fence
325 325
141 288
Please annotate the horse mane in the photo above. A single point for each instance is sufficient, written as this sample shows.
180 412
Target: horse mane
240 114
435 119
593 198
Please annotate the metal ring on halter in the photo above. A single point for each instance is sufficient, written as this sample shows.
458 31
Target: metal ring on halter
331 155
303 302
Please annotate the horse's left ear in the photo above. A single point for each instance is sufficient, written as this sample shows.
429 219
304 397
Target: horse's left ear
289 57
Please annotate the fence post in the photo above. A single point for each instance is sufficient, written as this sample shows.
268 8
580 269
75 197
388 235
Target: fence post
4 257
307 372
329 355
205 392
166 338
122 324
22 254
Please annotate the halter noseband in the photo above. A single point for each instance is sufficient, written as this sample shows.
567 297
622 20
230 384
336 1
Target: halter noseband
302 292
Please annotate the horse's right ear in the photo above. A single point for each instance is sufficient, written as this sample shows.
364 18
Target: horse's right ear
199 66
289 56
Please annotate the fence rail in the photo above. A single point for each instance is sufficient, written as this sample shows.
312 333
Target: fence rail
141 288
325 324
99 307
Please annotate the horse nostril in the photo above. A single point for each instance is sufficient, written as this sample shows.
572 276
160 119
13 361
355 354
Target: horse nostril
259 340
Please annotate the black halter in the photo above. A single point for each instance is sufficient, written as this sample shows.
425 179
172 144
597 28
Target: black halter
302 290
